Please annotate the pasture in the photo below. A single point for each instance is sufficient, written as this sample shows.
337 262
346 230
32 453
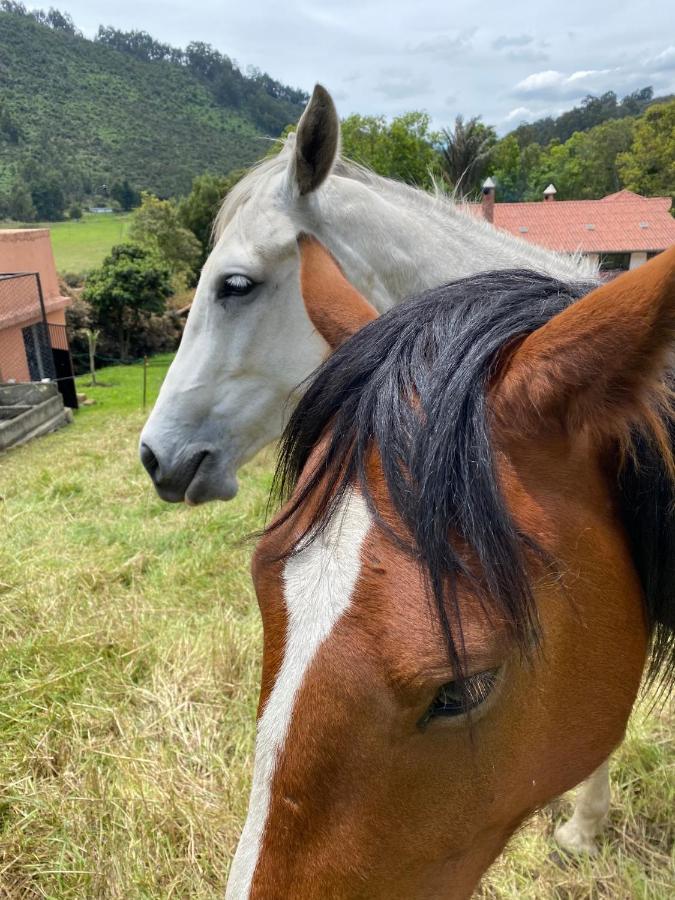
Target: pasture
81 245
128 683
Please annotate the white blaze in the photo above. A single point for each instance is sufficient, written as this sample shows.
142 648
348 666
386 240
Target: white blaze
318 587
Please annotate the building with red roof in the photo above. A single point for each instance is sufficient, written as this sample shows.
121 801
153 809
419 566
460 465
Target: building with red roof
620 231
33 337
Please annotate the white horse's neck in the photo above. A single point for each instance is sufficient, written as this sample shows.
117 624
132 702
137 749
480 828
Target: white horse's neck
395 241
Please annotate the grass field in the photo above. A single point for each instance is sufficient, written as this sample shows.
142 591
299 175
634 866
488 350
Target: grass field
81 245
128 681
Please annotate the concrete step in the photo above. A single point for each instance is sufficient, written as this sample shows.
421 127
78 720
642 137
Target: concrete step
27 394
46 416
11 412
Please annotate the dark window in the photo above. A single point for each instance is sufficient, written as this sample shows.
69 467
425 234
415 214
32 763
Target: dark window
38 351
614 262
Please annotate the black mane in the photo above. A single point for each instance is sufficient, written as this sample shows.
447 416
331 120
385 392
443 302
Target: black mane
414 383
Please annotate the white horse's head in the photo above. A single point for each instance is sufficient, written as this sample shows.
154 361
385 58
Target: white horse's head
248 342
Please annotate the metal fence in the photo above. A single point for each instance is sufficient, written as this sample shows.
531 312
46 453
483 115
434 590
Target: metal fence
31 348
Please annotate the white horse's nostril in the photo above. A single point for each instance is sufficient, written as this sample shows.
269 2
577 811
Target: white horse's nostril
150 461
173 476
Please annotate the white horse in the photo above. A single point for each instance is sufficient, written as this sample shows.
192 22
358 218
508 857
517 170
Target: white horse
248 343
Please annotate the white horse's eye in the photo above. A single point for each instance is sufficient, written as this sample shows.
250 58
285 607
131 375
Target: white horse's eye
234 286
454 699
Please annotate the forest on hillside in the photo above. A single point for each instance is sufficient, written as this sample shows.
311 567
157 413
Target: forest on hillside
78 116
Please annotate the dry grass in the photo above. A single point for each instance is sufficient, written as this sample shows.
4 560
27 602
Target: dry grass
128 680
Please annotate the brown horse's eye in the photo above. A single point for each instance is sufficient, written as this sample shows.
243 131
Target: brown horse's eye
456 699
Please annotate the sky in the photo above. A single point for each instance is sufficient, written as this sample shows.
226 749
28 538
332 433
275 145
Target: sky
509 62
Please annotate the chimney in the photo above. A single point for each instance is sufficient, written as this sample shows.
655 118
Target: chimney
549 193
488 200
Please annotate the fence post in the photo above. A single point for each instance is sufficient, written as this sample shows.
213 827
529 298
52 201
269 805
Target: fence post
145 381
92 338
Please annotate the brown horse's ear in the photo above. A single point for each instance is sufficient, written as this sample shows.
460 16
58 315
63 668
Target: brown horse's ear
598 362
335 307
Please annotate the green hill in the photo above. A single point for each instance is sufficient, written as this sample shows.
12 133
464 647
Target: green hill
591 112
94 112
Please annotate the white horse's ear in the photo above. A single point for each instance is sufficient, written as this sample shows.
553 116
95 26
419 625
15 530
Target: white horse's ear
317 142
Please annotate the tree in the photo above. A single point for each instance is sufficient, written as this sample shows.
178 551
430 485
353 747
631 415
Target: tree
61 21
592 111
19 203
48 197
9 129
198 210
131 281
585 166
649 166
636 103
155 225
14 7
596 152
506 168
126 196
136 43
403 148
465 154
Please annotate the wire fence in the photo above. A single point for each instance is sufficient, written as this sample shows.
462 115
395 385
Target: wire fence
25 348
144 363
32 347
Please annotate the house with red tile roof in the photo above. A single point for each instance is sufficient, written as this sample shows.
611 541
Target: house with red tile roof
33 337
620 231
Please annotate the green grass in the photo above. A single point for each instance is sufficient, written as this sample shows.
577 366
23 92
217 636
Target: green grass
128 682
80 246
120 388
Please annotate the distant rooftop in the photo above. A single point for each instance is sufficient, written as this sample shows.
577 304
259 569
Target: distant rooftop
619 223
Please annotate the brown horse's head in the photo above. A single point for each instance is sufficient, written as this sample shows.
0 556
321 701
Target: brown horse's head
455 626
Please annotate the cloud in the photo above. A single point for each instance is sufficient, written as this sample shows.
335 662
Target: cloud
554 85
538 81
506 41
446 47
521 114
519 48
527 54
663 61
585 74
401 84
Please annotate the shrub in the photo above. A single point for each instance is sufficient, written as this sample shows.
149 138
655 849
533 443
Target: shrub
148 335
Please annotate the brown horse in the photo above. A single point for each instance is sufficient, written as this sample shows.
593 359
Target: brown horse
473 563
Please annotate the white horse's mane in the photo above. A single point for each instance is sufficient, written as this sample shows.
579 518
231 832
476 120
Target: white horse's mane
261 173
445 209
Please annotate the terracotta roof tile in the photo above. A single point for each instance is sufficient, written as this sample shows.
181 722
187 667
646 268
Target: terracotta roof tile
619 223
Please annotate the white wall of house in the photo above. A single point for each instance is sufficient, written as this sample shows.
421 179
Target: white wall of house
637 258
